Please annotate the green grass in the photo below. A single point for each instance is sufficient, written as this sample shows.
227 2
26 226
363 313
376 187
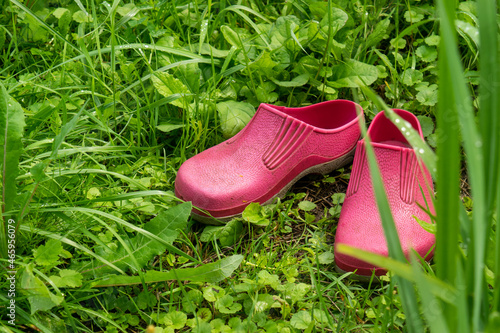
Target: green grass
107 100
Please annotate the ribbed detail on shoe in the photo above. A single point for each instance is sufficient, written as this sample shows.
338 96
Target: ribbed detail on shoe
291 135
408 177
357 169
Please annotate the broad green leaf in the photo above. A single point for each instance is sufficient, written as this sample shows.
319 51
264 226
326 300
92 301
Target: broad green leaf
234 116
219 326
37 171
231 36
335 22
165 128
263 302
126 9
230 233
286 26
411 76
210 233
165 225
428 95
320 316
207 49
325 258
48 254
82 17
67 278
204 314
301 320
211 273
146 299
427 125
213 293
39 296
294 291
254 214
64 22
93 193
167 85
399 43
307 65
338 198
265 92
413 17
432 40
12 128
174 319
427 53
227 234
379 33
469 30
353 74
268 279
226 305
295 82
59 12
190 75
307 205
192 300
264 65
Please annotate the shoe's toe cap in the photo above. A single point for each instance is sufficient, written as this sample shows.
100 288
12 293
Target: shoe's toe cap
215 186
362 229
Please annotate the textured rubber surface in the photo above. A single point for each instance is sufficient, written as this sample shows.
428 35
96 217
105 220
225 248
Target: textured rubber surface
407 185
324 168
277 147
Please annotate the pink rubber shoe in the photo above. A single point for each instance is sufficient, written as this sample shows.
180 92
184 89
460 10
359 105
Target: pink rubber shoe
359 223
277 147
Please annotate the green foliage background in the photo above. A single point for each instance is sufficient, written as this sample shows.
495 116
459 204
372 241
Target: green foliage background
115 96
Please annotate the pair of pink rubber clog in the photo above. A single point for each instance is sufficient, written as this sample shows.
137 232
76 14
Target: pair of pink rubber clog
281 145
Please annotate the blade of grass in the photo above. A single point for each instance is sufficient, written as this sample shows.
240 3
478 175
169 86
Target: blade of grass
489 117
454 100
408 296
124 223
433 314
421 148
65 240
438 288
448 176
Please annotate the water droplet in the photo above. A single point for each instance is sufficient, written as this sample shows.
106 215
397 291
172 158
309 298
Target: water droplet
403 129
421 150
407 123
397 120
434 170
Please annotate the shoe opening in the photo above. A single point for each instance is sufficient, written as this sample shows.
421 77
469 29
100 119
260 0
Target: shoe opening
382 130
326 115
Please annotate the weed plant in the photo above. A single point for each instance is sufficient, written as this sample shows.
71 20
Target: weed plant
101 102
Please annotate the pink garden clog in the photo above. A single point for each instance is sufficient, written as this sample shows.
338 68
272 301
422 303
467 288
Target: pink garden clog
407 184
277 147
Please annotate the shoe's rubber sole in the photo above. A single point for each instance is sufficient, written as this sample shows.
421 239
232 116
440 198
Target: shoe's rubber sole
317 169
